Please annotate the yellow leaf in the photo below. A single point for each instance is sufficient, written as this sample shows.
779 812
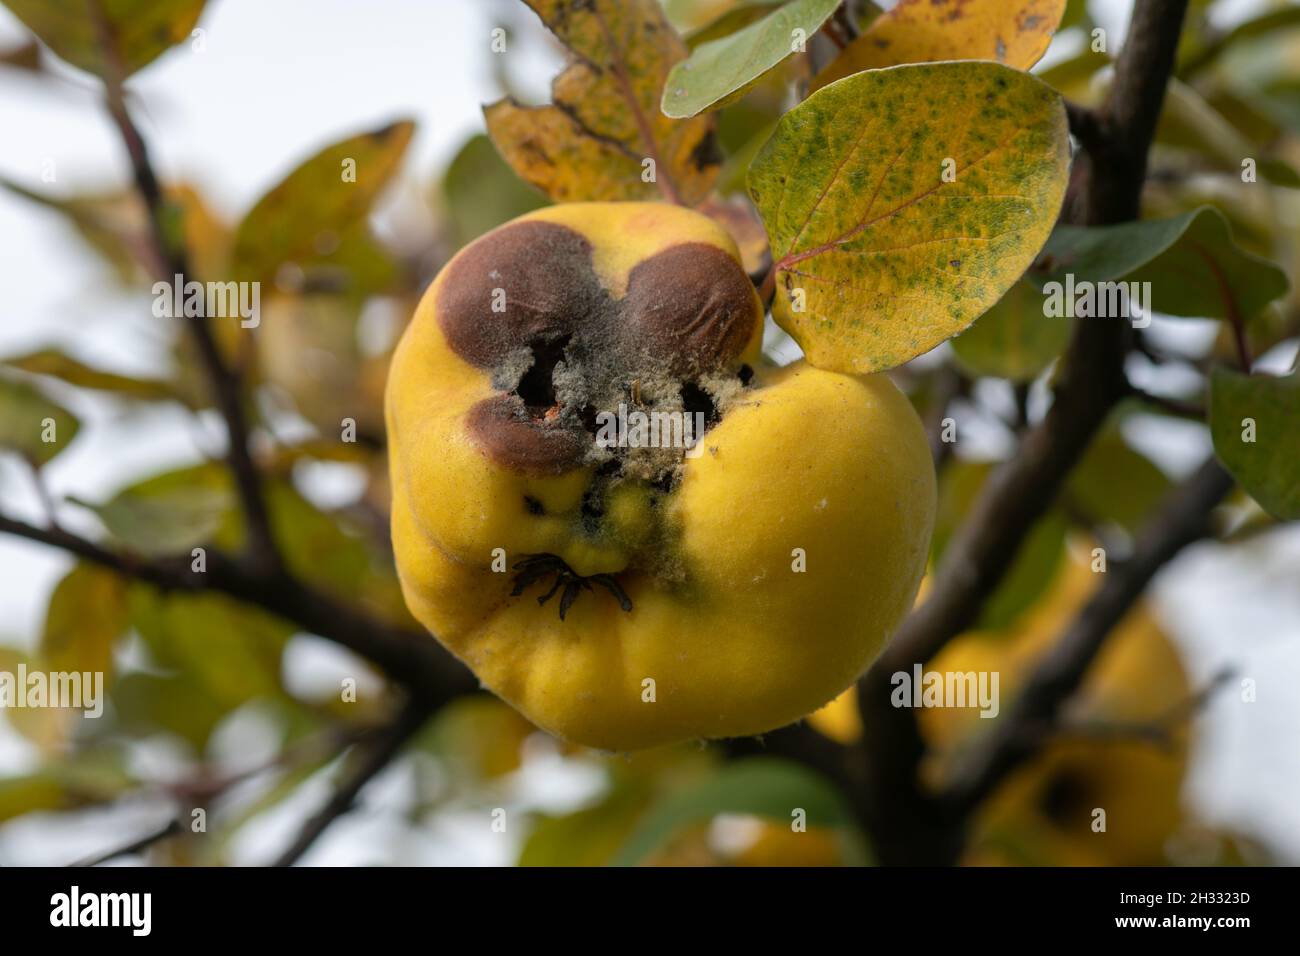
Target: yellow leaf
315 218
87 613
111 38
903 203
1011 32
604 137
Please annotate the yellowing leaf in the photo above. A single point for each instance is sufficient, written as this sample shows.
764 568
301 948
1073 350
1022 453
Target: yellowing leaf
604 137
60 365
903 203
1012 32
111 38
33 425
87 613
315 218
231 649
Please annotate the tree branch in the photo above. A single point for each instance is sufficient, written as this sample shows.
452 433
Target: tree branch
174 266
170 829
1185 518
409 657
380 752
907 824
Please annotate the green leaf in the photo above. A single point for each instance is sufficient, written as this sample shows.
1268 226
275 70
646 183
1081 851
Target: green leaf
30 793
229 649
315 218
1189 123
33 425
587 837
1264 25
86 615
481 191
170 513
82 777
762 786
720 70
1115 484
592 142
1034 569
58 364
1072 78
904 203
1255 423
1014 339
179 704
109 37
1194 267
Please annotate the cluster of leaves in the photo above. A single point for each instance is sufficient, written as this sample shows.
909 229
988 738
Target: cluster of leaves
893 200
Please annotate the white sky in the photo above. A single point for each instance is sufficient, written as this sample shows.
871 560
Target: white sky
275 82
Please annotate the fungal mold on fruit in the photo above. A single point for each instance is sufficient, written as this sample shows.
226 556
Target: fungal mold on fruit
633 592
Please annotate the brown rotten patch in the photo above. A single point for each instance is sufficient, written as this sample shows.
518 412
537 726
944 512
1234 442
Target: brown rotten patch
525 303
691 306
539 277
511 434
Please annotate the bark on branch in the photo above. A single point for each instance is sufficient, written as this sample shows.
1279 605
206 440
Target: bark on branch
907 825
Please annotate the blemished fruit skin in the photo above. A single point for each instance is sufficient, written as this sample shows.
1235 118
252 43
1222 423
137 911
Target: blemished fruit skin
763 574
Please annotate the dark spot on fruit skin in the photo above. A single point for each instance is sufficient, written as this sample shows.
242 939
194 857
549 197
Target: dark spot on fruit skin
510 435
691 308
1066 799
688 311
548 287
533 506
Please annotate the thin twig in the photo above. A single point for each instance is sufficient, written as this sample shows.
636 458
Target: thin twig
170 829
409 657
173 266
375 757
1159 731
1195 411
1184 519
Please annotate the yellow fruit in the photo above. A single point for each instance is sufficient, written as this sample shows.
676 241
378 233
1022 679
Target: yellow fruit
1044 813
723 594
